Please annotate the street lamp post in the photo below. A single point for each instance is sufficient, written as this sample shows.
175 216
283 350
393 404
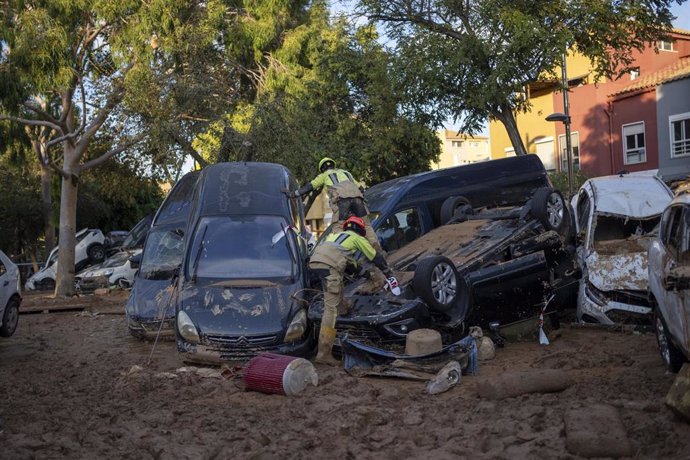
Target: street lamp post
565 118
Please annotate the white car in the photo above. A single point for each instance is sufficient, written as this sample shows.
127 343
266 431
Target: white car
10 299
89 249
115 271
669 283
616 218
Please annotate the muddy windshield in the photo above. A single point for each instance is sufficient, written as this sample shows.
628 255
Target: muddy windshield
162 255
616 234
226 247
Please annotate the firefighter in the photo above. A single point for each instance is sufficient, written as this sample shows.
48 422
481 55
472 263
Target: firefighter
330 261
344 196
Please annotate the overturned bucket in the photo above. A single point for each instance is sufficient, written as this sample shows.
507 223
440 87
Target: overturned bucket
279 374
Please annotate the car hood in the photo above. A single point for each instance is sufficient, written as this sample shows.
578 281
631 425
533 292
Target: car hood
626 271
239 308
151 299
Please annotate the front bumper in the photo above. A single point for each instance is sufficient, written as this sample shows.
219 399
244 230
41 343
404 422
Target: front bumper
149 329
614 307
240 349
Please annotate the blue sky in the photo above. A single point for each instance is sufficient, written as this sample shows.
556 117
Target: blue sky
682 13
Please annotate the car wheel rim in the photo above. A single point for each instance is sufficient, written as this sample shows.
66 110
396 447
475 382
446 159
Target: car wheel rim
661 338
554 210
443 283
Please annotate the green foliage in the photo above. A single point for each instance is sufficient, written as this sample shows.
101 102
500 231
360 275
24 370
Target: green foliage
470 60
21 222
560 181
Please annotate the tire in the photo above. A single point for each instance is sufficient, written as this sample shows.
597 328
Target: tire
453 205
549 208
436 282
96 253
47 284
10 318
672 356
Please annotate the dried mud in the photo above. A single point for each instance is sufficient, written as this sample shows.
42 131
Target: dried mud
70 390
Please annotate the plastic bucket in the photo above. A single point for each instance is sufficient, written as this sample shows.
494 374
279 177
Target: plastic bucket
279 374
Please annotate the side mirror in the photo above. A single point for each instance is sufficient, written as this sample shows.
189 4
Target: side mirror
677 279
135 261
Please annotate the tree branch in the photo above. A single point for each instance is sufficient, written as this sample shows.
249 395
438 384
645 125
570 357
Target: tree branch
122 147
29 122
187 147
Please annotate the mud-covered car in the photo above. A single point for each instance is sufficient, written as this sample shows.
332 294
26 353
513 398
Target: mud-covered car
117 270
10 297
242 285
493 267
616 219
150 310
405 208
669 283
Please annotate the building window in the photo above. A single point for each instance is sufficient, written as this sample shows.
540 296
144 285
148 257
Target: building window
575 146
666 45
456 143
680 134
634 73
633 144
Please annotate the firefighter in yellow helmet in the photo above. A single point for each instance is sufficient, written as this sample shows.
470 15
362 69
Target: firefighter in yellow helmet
344 195
329 262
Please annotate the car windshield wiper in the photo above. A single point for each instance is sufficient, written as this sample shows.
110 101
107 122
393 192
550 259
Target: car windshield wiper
293 258
198 254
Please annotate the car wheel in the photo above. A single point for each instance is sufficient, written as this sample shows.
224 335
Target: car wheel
47 284
548 207
96 253
436 282
454 205
10 318
672 356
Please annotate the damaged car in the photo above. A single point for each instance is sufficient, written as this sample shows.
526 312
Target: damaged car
149 309
669 283
616 219
405 208
117 270
10 297
89 249
242 285
491 267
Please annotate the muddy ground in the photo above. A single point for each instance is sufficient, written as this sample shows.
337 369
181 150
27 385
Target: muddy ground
70 389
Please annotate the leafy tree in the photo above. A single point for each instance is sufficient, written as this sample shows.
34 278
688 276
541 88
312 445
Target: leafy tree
329 89
469 60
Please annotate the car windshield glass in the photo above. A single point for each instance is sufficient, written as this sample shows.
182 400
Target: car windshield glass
52 258
116 260
240 248
136 236
81 235
163 252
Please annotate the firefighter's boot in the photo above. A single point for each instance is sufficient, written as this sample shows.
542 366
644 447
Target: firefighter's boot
326 340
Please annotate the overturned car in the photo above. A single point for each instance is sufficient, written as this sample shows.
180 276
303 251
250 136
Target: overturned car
490 267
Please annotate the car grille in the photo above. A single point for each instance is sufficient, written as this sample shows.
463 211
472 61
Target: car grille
222 342
359 333
630 297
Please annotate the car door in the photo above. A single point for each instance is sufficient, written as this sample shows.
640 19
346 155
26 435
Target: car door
5 286
675 305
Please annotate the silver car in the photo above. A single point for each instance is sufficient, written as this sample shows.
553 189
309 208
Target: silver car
10 298
669 283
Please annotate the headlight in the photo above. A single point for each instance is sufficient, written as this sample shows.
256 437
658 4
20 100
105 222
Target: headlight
297 326
186 328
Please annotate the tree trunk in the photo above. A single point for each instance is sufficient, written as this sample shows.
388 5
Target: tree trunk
64 284
505 115
46 197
